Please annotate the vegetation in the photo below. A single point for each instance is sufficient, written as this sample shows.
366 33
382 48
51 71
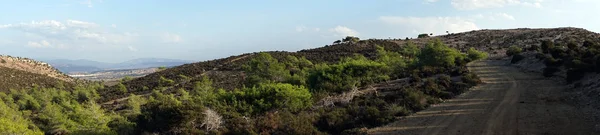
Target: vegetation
278 93
473 54
424 35
516 58
437 54
513 50
575 59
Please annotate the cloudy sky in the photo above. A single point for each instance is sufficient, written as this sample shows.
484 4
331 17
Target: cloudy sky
119 30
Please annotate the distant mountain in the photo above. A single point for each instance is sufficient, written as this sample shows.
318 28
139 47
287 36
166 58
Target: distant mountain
149 62
82 65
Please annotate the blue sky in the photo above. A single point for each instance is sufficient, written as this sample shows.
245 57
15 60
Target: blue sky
119 30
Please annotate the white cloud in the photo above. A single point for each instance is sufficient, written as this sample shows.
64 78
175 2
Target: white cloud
80 24
300 28
113 26
131 48
303 28
69 32
506 16
89 3
436 25
479 4
494 17
41 44
431 1
342 31
171 38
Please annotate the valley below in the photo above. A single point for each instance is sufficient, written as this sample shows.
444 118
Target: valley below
112 75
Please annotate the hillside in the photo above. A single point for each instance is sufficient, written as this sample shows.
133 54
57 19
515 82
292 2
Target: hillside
20 73
445 84
32 66
226 73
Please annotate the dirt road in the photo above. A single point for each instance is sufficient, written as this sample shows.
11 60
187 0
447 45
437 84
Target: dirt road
509 102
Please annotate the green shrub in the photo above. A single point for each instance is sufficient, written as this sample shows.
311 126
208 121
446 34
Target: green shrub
268 96
349 73
437 54
471 79
410 50
424 35
395 61
13 122
121 88
164 82
516 58
476 55
265 68
513 50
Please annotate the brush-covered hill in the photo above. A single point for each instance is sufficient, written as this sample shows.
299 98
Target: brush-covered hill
227 72
19 73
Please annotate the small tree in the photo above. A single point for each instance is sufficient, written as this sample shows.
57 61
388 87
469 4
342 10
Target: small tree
424 35
438 54
410 50
337 42
351 39
264 68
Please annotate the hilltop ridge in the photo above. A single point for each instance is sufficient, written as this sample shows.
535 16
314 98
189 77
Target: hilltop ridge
228 73
33 66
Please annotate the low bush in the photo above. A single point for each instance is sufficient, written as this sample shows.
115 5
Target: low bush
476 55
471 79
551 62
517 58
549 71
547 45
533 48
575 75
513 50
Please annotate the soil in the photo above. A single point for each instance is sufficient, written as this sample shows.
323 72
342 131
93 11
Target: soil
509 102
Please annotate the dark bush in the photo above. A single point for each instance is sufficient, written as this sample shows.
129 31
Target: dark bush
572 45
534 48
547 45
558 52
540 56
588 44
517 58
551 62
549 71
574 75
471 79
